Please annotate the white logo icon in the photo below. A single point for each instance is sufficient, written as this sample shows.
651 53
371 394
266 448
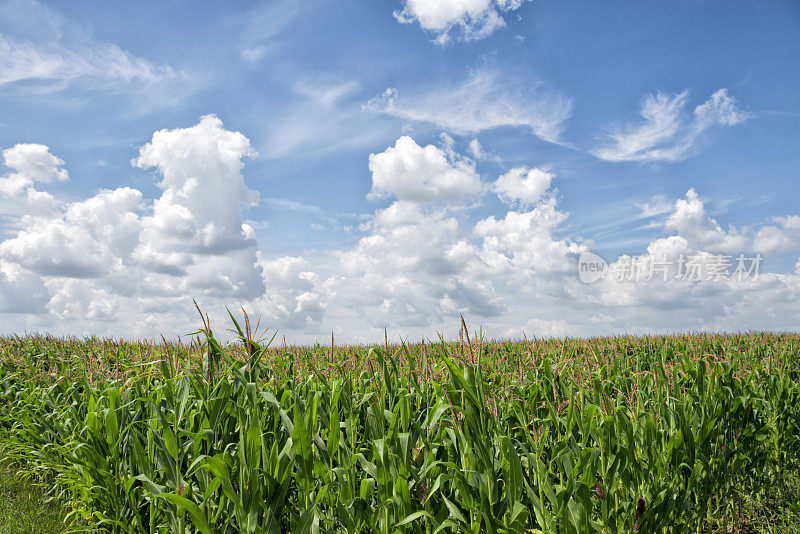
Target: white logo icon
591 267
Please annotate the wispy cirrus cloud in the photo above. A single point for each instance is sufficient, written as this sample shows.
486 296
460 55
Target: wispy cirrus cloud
325 89
325 116
669 133
43 52
264 26
56 65
285 204
485 100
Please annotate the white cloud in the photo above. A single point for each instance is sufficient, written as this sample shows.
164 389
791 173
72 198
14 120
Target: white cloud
476 149
668 300
468 20
324 116
293 298
21 292
678 272
413 267
669 133
116 251
285 204
523 185
418 265
49 54
719 109
81 298
103 64
196 229
487 99
522 244
325 89
89 239
408 171
782 236
30 163
541 328
203 190
263 26
690 220
118 263
658 205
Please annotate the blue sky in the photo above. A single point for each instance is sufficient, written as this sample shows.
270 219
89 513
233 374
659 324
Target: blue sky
348 165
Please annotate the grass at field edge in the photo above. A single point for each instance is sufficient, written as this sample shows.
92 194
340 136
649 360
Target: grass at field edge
22 507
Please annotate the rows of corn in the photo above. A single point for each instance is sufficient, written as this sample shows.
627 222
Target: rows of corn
616 435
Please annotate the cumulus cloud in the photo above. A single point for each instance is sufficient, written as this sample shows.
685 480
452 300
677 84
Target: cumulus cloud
715 276
677 286
541 328
415 263
414 266
117 261
781 236
89 239
522 244
408 171
690 220
485 100
117 251
523 185
203 190
668 133
419 264
30 163
20 291
81 298
466 20
294 298
196 230
190 239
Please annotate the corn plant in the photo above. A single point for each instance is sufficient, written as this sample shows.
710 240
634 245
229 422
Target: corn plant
611 435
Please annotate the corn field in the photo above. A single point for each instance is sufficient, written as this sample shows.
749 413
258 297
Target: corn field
611 435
